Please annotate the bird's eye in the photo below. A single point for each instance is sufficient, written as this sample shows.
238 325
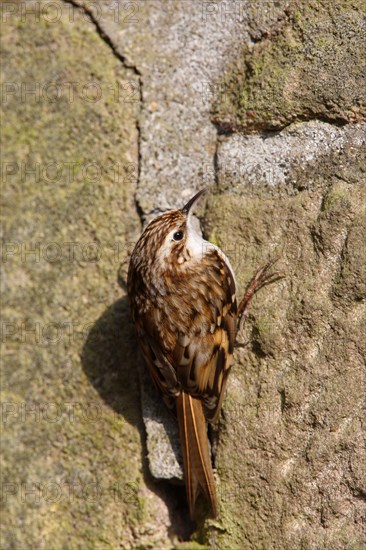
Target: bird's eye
178 236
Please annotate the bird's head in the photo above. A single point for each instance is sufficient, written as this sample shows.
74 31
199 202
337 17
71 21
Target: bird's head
171 239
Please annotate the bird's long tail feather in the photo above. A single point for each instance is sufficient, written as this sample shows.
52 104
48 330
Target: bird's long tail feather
196 453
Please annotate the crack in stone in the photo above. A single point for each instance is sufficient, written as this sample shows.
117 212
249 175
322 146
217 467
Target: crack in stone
104 36
123 60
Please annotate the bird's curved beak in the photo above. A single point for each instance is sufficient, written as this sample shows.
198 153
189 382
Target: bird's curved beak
187 208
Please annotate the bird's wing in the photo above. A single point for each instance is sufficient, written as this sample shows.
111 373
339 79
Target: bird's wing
202 359
193 351
160 369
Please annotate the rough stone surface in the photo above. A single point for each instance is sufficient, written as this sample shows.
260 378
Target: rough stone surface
303 63
72 452
162 439
287 157
184 49
284 83
296 398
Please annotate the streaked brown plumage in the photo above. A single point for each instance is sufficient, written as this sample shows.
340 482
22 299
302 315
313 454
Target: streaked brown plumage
183 300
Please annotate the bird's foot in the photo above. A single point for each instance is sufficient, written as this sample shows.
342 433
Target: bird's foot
262 277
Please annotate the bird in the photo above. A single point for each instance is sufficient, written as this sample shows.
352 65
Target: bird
182 295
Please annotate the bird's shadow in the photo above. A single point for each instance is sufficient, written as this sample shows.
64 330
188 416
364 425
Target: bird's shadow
111 361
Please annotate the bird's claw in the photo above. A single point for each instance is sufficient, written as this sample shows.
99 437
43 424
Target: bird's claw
261 278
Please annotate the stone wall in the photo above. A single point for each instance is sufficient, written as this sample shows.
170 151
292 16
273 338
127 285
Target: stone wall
113 112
